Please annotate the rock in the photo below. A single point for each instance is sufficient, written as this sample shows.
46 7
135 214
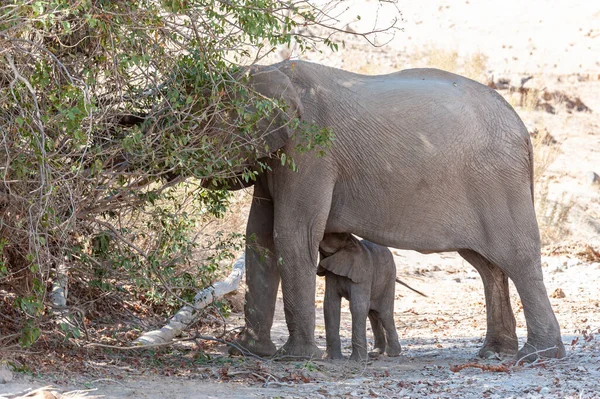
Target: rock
525 80
5 374
592 178
513 81
558 293
573 262
552 262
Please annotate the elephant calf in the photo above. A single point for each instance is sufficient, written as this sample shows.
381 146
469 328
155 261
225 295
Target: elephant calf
365 274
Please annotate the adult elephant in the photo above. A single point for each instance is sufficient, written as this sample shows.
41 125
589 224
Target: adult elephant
422 160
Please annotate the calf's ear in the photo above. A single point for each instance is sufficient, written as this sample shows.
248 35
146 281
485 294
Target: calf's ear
351 261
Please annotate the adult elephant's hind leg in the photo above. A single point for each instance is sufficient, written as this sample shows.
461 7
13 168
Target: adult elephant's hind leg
515 249
543 331
501 336
262 278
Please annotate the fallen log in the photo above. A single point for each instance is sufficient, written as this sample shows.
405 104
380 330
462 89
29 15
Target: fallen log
186 315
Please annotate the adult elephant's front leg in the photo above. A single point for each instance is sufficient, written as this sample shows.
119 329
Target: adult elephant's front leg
298 262
262 277
302 201
299 226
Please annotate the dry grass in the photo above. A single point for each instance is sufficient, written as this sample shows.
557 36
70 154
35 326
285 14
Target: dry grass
514 99
552 210
545 152
441 58
530 99
370 69
553 214
475 67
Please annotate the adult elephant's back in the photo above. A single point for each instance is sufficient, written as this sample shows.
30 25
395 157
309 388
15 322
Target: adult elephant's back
421 157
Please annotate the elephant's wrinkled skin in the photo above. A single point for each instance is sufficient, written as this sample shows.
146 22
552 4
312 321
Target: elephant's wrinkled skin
365 274
422 160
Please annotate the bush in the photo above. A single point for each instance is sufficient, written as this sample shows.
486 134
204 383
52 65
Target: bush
104 108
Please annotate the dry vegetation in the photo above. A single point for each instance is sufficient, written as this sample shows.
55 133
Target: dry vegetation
552 213
440 58
530 100
473 65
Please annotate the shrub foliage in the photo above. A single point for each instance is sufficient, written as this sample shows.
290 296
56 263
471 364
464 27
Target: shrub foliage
104 108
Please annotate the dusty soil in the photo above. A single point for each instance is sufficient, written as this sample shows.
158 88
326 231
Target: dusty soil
558 45
438 333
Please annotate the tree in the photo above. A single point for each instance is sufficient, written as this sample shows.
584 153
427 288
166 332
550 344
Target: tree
104 106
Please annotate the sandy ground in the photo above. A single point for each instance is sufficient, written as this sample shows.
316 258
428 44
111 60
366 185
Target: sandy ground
558 44
444 330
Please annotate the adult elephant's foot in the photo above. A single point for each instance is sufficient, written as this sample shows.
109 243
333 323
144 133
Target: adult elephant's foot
532 351
248 342
393 349
359 356
333 355
504 345
304 350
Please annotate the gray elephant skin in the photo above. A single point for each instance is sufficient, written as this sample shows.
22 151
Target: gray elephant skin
422 160
365 274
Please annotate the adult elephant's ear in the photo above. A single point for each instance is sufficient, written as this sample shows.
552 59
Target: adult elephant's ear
270 82
352 261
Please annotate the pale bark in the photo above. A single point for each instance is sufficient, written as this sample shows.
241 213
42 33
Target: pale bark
60 289
58 300
186 315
